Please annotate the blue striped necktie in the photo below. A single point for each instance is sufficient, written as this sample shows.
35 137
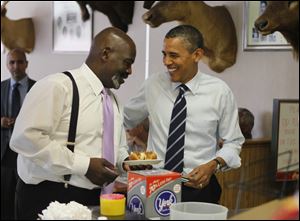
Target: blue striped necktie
175 145
16 100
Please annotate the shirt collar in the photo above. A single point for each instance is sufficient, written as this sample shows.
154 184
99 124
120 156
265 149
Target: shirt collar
22 82
193 84
92 78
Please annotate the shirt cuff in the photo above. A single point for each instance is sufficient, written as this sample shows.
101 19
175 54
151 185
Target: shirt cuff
231 158
80 165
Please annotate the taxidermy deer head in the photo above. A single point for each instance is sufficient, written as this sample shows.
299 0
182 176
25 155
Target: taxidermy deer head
215 24
17 33
282 16
119 13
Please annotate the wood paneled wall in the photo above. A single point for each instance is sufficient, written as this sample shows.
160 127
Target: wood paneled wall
255 188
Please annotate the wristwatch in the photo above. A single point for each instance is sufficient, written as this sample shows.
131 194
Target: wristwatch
219 165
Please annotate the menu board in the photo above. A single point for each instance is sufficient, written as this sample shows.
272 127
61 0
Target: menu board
285 138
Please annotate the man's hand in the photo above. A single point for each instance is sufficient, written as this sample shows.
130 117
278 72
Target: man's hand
137 144
7 122
200 176
101 171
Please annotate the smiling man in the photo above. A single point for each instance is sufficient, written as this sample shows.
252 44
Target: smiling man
188 112
42 130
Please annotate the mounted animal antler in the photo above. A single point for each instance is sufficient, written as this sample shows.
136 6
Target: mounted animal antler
282 16
215 24
17 33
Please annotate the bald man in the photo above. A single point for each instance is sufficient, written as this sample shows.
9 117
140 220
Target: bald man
41 130
16 64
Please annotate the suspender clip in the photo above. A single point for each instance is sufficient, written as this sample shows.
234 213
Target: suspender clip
66 185
70 143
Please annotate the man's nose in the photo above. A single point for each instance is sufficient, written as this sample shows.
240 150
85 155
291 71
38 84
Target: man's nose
129 70
167 61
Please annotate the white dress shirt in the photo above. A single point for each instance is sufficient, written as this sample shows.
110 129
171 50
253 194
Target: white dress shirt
211 114
41 130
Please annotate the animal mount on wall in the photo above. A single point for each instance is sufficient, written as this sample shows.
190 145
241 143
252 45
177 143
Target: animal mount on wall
17 33
119 13
282 16
215 24
148 4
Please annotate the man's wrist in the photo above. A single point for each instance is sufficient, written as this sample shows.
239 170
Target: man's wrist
219 165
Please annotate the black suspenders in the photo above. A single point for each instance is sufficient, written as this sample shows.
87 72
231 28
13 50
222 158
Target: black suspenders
73 121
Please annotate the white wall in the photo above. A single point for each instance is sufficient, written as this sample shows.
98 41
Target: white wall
256 79
43 61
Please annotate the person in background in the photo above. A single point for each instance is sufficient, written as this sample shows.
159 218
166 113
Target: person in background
185 133
41 130
246 121
12 89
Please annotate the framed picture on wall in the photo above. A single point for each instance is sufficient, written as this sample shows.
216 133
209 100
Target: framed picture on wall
252 38
70 33
285 138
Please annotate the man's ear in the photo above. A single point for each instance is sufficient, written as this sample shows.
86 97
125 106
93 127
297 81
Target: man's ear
106 52
198 53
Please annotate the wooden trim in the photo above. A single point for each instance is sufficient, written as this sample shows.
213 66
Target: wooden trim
252 150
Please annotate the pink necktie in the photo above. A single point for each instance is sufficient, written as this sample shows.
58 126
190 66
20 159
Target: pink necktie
108 134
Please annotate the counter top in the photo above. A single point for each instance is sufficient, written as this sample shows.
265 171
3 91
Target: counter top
127 216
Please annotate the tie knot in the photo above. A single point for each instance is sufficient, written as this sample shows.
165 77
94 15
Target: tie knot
16 85
183 88
104 91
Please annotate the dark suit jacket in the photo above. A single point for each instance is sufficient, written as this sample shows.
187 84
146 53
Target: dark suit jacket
5 132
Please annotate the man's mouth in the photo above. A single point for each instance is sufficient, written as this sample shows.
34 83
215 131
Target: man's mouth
171 69
117 80
121 78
